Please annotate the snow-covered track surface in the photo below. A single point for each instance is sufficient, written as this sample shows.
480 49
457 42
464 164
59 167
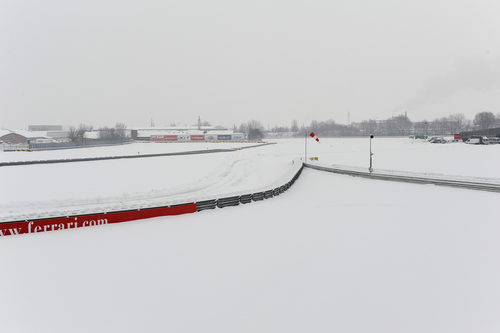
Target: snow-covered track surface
84 218
102 158
482 184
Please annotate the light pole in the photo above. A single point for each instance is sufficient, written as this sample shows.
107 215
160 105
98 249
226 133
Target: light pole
371 154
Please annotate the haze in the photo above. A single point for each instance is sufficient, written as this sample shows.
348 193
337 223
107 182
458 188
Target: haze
100 62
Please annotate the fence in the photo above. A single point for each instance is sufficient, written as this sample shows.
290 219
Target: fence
15 147
71 144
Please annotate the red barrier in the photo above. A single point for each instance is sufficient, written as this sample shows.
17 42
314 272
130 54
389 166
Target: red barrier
72 222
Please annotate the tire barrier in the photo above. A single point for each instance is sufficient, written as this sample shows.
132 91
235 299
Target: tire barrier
258 196
246 198
230 201
28 226
268 194
207 204
482 186
90 159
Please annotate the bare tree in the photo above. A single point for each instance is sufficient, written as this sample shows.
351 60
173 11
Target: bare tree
459 122
106 133
120 131
485 120
253 129
78 134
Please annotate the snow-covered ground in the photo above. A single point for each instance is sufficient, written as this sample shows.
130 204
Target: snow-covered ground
403 154
332 254
119 184
139 148
55 190
400 154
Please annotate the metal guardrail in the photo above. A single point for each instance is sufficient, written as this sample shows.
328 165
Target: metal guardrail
87 159
491 187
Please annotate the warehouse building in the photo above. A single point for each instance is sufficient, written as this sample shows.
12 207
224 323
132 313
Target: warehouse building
185 134
22 137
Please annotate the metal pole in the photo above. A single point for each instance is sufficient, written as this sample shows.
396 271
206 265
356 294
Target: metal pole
305 148
371 154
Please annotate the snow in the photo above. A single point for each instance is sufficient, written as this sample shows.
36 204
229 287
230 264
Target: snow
403 154
77 188
60 189
118 150
333 254
415 175
400 154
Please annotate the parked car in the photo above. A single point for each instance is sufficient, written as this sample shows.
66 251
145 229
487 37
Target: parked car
493 140
438 140
477 140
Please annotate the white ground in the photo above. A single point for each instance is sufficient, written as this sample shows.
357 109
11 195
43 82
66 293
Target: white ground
61 189
58 189
403 154
119 150
333 254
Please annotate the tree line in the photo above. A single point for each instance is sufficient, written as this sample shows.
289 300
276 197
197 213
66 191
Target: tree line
399 125
117 133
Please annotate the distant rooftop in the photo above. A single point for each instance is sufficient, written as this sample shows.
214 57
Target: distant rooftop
179 128
45 128
26 134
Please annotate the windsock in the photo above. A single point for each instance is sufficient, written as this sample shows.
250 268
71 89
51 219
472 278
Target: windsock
312 135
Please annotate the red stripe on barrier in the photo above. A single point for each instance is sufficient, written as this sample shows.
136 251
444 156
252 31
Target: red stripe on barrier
72 222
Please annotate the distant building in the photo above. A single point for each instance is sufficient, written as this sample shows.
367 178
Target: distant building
204 133
22 137
484 132
47 128
13 138
57 134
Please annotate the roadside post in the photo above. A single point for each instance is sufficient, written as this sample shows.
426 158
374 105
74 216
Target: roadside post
371 155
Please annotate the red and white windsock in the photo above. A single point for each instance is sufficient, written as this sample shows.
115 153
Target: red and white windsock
312 135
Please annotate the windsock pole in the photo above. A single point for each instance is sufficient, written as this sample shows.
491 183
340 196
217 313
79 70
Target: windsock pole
305 147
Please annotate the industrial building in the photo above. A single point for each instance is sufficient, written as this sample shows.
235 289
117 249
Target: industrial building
23 137
176 134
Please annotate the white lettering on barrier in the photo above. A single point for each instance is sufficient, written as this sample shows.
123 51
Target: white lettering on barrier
15 232
32 228
10 231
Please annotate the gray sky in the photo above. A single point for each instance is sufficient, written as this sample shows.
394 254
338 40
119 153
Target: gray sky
99 62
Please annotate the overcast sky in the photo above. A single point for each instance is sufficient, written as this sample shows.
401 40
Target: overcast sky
99 62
